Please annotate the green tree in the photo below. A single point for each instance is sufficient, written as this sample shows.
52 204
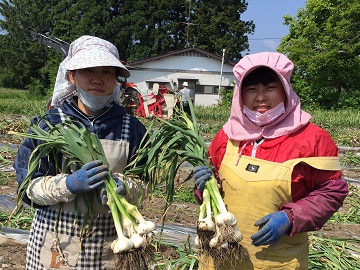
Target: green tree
324 44
22 59
216 25
154 28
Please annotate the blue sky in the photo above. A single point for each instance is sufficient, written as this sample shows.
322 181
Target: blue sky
267 17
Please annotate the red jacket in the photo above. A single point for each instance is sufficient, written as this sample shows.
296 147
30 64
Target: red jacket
316 194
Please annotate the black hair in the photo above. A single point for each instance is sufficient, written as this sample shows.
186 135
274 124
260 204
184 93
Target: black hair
263 75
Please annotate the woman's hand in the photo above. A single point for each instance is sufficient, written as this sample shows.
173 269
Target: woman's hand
89 177
201 175
275 225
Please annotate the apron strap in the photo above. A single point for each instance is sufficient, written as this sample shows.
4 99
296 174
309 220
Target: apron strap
321 163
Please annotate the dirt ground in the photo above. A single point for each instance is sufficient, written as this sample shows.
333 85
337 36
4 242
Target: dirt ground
12 253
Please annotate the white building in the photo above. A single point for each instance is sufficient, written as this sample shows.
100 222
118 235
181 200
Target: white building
199 68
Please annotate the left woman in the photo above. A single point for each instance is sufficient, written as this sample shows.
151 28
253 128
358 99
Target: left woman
84 90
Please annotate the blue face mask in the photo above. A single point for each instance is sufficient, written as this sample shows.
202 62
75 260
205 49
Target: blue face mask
92 102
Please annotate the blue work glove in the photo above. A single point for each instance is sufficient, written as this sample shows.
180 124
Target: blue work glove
89 177
120 189
275 225
201 175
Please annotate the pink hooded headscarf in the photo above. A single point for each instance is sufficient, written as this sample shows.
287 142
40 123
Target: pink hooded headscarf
239 127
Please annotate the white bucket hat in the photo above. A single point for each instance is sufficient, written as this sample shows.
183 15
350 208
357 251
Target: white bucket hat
85 52
185 84
89 51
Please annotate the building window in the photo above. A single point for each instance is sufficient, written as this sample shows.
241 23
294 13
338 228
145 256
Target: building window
211 89
208 89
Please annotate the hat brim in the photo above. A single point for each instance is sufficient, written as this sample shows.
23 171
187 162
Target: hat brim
96 58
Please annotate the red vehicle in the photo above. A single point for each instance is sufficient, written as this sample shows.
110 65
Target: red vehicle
129 96
153 103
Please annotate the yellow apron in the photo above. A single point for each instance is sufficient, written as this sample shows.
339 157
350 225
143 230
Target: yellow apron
254 188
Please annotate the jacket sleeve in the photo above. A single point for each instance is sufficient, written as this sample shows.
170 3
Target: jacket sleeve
217 149
138 137
313 211
49 190
317 194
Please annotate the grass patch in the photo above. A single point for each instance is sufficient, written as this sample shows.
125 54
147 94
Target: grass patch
6 159
12 123
345 118
5 177
350 158
343 125
329 253
333 253
351 208
182 257
14 101
22 219
182 194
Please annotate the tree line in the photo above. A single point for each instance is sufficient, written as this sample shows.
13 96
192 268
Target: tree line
324 43
323 39
139 29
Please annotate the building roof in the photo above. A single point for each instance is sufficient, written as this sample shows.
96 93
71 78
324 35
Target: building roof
182 52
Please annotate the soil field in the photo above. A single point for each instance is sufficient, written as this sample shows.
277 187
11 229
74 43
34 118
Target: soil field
12 253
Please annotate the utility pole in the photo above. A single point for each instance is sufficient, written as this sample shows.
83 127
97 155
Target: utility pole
188 25
221 71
